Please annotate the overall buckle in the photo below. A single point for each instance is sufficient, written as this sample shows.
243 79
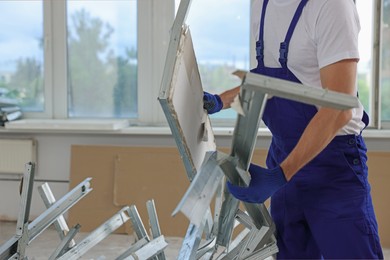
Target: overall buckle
260 49
283 54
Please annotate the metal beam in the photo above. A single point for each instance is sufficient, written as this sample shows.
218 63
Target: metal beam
298 92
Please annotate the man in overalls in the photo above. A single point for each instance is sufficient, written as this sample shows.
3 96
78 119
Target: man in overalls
317 173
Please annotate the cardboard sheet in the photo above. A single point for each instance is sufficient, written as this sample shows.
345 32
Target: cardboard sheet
128 176
161 178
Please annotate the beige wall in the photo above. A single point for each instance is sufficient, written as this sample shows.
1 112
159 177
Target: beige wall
133 175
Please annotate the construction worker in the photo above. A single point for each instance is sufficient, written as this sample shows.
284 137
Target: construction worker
316 171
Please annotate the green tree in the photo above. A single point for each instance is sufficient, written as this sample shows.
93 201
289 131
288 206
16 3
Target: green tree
125 89
101 84
90 79
26 84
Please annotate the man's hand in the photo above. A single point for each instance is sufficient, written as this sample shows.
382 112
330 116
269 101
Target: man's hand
264 183
212 103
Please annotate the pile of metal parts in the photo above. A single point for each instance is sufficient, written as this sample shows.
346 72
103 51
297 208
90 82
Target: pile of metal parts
145 247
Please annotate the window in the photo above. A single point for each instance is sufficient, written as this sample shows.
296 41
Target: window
385 64
21 54
85 59
102 59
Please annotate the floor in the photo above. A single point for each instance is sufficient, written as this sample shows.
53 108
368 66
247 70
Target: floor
110 248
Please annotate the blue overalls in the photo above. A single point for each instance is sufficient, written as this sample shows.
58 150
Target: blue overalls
325 210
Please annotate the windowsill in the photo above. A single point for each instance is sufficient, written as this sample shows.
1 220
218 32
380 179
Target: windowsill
123 127
66 124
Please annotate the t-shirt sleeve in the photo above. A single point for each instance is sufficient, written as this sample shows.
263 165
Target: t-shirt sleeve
336 32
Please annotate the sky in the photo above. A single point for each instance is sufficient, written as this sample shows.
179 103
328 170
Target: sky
19 37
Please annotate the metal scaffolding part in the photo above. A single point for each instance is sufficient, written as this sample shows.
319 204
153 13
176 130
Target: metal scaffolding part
47 218
150 250
26 232
154 225
145 248
137 224
97 235
142 248
60 224
197 199
135 247
253 242
65 243
298 92
191 241
15 248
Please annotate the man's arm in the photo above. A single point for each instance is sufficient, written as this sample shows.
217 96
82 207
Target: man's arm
340 77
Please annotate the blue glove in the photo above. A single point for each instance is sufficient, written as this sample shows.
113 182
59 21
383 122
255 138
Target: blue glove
264 183
212 103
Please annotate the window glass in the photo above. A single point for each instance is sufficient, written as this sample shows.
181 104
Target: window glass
102 58
385 66
220 34
365 72
21 54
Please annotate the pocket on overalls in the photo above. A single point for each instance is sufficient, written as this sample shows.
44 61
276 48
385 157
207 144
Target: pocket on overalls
357 164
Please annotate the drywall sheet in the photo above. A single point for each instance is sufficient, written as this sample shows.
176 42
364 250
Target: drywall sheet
181 98
128 176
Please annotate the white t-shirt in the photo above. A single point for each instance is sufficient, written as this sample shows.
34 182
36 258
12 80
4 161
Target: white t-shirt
327 32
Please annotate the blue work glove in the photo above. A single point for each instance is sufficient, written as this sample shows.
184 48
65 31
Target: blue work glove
212 103
264 183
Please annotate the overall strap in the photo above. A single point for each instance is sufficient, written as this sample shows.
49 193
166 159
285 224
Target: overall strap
260 42
283 51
